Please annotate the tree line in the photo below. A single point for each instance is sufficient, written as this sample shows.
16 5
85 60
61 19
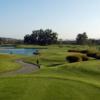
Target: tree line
83 39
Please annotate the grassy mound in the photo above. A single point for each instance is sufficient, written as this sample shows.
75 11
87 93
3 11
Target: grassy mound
76 57
89 53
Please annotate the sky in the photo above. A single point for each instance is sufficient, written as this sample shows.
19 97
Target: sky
66 17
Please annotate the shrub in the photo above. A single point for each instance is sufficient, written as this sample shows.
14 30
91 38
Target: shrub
92 54
76 58
84 51
79 51
73 58
84 58
89 53
98 55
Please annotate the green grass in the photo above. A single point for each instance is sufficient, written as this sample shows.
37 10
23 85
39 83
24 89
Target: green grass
7 63
47 89
56 80
51 56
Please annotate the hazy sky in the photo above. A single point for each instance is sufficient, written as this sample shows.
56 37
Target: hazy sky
67 17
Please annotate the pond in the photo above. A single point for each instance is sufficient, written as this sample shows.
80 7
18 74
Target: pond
11 50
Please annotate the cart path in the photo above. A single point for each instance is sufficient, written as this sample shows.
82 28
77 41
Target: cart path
26 68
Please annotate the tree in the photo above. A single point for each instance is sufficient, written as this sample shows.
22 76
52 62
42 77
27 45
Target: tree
41 37
82 38
27 39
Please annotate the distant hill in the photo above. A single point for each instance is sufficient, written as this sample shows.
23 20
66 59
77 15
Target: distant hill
4 40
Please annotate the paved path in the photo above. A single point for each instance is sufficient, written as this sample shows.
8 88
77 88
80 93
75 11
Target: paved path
26 69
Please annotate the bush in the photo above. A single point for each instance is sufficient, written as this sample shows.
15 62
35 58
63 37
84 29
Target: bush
94 54
98 56
73 58
76 58
79 51
84 58
91 55
84 51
